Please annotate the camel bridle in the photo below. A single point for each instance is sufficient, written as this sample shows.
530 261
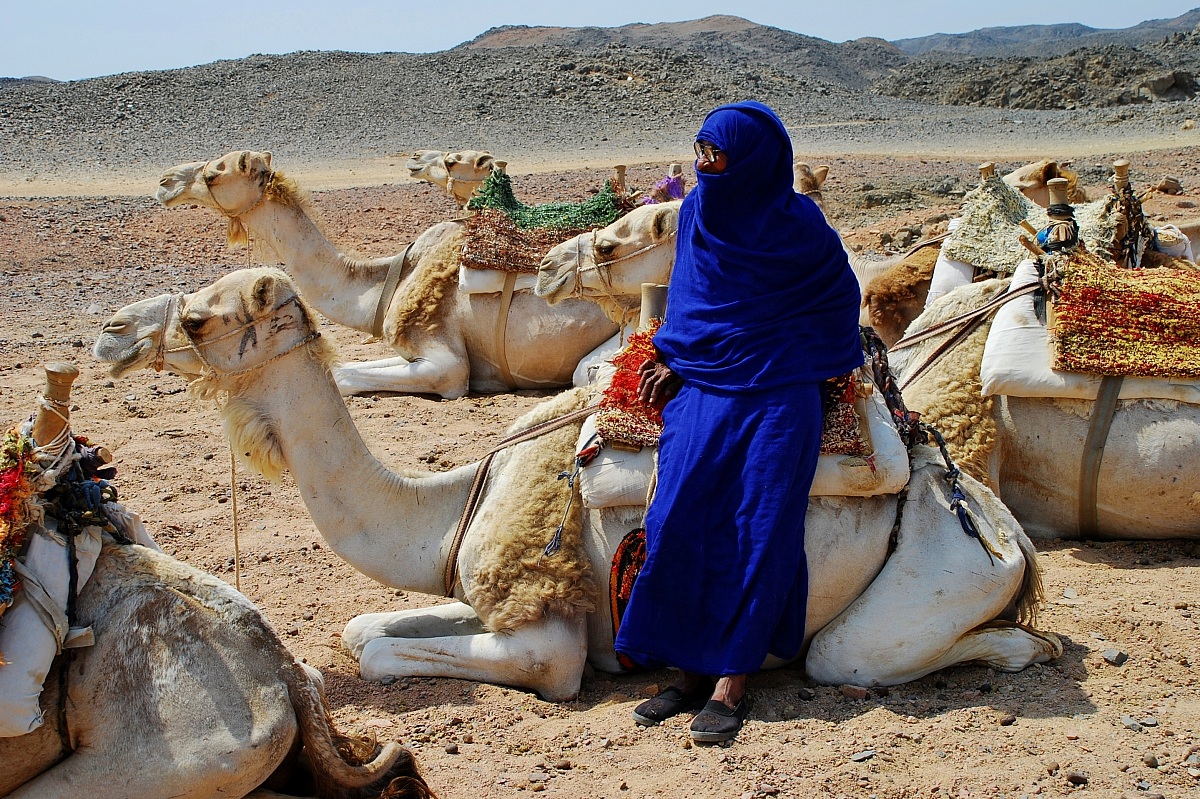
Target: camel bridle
603 269
208 175
213 372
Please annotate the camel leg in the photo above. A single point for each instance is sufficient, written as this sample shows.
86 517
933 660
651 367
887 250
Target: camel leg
444 376
131 775
440 621
925 609
1003 646
547 656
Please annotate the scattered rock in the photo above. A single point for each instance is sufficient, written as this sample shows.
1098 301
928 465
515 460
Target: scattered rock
1130 723
1115 656
1150 760
854 692
1169 185
864 755
452 748
1007 720
1077 778
805 693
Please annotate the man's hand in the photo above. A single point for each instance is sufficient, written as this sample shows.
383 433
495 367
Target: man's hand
657 383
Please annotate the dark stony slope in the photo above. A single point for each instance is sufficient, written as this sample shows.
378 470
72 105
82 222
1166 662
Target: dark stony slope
1041 41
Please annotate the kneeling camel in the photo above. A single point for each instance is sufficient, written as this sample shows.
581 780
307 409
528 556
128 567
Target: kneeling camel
530 619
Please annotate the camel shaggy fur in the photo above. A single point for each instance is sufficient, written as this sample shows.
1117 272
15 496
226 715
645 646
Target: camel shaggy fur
459 173
400 529
448 341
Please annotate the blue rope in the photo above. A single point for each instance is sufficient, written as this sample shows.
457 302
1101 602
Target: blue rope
958 499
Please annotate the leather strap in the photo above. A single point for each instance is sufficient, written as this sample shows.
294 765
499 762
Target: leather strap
983 310
450 576
391 282
510 282
1093 453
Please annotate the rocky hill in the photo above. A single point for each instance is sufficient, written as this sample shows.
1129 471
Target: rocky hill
1088 77
639 91
1040 41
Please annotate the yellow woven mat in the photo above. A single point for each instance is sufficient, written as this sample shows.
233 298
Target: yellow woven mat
1129 322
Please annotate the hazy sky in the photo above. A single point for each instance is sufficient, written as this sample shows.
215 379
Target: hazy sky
87 38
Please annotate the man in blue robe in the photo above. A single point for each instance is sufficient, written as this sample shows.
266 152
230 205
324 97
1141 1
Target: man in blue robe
762 308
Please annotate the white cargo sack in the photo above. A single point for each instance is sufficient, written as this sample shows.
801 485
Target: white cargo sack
948 274
34 629
1171 240
1017 359
490 281
616 477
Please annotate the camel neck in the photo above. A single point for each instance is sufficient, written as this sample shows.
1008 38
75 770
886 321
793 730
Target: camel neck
343 289
396 529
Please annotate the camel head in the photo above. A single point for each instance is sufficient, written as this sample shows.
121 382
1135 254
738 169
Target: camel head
458 173
229 329
147 335
1031 181
233 185
642 242
808 180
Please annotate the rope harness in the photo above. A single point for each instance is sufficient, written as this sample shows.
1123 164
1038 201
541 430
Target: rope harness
630 305
264 184
958 498
212 371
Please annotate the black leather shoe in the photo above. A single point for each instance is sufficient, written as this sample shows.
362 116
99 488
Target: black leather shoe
717 723
670 702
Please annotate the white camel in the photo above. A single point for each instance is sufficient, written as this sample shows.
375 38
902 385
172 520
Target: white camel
448 341
459 173
1029 450
1032 449
531 620
186 692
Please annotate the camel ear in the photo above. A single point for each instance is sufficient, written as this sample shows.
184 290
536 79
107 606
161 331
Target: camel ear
820 173
243 156
263 293
666 220
257 165
484 160
1050 171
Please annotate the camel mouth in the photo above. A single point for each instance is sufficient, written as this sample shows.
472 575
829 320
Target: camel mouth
122 360
552 283
174 182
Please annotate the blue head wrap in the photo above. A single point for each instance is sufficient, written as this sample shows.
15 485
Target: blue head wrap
762 294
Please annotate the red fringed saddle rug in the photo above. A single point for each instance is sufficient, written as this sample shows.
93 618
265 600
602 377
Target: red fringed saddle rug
1129 322
627 564
625 419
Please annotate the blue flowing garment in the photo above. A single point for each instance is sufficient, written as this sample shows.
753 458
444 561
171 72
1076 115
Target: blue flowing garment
762 307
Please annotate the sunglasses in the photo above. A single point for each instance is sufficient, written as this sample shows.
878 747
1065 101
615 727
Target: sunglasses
708 151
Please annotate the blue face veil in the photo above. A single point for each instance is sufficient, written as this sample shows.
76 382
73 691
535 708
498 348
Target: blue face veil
762 294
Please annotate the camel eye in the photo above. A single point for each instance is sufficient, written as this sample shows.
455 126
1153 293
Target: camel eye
605 248
192 324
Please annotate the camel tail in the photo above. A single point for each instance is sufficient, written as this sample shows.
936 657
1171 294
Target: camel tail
342 766
1031 594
